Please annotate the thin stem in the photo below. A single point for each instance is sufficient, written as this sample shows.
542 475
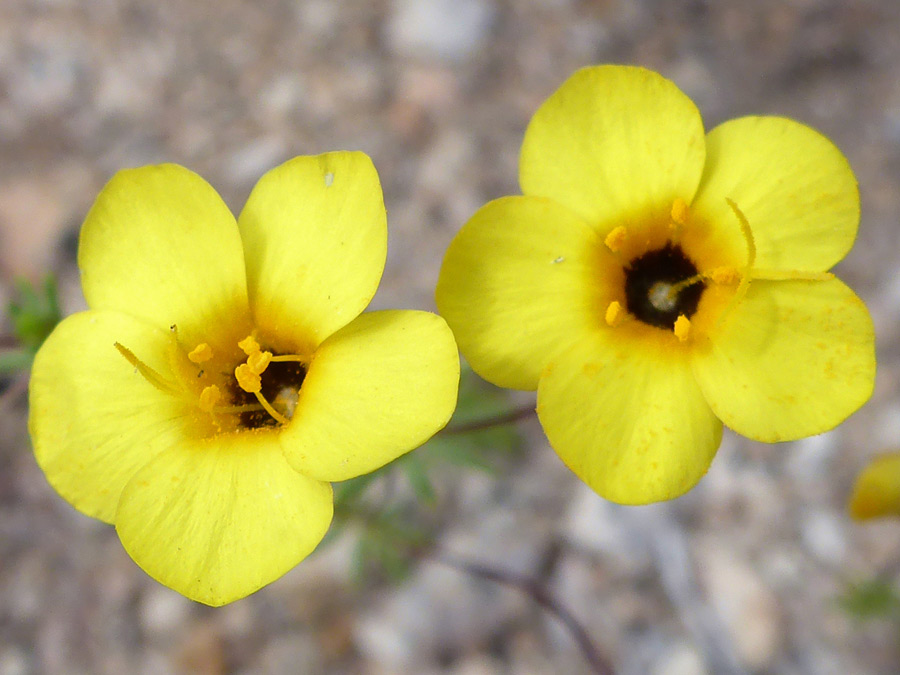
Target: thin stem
510 417
539 593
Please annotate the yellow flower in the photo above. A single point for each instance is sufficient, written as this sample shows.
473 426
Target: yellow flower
876 492
654 282
224 374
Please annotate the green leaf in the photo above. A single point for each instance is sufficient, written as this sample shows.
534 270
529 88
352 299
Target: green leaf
14 360
870 599
414 466
34 314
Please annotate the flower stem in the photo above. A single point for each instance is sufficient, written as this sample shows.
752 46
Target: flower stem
532 587
509 417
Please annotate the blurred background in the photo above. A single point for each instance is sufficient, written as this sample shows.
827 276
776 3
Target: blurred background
750 572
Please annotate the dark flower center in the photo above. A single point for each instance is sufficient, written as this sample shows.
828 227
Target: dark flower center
655 291
281 384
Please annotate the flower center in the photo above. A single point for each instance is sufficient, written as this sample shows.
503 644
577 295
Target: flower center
662 285
261 392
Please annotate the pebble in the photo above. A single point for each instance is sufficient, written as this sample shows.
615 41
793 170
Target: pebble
447 29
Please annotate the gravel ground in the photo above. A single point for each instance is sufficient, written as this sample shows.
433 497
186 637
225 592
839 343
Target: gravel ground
740 575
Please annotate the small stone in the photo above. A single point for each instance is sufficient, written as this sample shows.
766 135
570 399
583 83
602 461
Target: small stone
448 29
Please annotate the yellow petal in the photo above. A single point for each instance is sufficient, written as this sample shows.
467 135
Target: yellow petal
520 281
631 423
614 140
315 235
381 386
218 519
160 244
877 489
94 420
792 359
793 185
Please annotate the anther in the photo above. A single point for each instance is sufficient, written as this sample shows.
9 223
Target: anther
259 361
249 345
680 212
201 353
614 314
682 327
616 238
247 379
209 397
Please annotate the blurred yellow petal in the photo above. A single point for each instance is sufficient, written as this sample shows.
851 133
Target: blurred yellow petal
614 140
379 387
794 186
160 244
218 519
632 424
877 489
518 283
315 239
792 359
94 420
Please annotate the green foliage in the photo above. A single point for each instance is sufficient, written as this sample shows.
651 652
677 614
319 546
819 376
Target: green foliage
34 313
390 524
871 599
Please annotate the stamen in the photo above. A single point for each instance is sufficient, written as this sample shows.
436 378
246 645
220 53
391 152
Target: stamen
209 397
616 238
201 353
682 327
680 211
247 379
675 289
282 358
790 275
724 276
148 373
249 345
751 258
269 409
614 314
259 361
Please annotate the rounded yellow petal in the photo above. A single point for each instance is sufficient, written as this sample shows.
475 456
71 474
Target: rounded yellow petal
794 186
631 423
519 282
792 359
877 489
379 387
218 519
160 244
315 236
615 140
94 420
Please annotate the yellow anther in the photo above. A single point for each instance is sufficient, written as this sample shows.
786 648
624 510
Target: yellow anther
259 361
682 327
249 345
202 352
616 238
209 397
680 212
614 314
247 379
724 276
